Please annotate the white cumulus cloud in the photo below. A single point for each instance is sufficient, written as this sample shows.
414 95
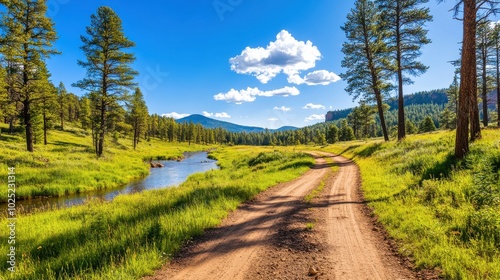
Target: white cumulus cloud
286 55
222 115
314 118
175 115
282 108
250 94
273 119
314 106
320 77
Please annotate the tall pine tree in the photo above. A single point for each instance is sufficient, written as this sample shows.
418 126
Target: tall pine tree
468 113
109 74
404 22
366 56
26 43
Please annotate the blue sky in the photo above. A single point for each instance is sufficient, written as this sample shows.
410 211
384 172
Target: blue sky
259 63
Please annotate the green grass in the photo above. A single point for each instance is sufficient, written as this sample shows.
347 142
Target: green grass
68 164
445 214
135 234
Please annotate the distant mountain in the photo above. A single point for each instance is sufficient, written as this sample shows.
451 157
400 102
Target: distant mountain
231 127
437 97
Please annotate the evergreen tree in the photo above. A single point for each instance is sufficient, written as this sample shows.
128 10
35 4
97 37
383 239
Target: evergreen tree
27 41
138 117
404 21
108 68
411 128
45 107
5 102
332 134
496 47
366 56
467 106
448 117
427 125
346 133
484 48
85 113
61 102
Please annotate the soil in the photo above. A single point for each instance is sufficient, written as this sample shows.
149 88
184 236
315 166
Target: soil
278 235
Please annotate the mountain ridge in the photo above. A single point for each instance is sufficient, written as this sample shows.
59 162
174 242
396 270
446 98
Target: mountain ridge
229 126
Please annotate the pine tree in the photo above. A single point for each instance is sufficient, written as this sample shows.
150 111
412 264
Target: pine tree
138 116
427 125
61 102
332 134
5 102
366 56
45 107
411 128
346 132
496 47
108 68
27 41
85 114
484 48
404 21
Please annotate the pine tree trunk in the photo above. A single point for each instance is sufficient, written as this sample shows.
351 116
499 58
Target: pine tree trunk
498 80
485 93
44 128
401 105
468 85
381 115
102 130
11 124
136 134
28 124
475 125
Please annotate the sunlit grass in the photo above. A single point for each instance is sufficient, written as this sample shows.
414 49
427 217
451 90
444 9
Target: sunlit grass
135 234
68 165
445 214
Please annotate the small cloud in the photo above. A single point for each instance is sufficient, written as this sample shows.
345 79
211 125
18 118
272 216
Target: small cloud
282 108
175 115
314 118
273 119
314 106
321 77
222 115
250 94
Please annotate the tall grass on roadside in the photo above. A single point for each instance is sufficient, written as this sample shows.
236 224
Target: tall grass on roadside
445 214
132 235
68 164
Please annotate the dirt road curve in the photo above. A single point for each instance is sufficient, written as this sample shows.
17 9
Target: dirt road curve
267 238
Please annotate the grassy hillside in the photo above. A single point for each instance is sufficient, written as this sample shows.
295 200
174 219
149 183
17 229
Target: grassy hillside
68 164
444 214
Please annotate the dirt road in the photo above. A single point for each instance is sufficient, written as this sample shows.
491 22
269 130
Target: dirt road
279 236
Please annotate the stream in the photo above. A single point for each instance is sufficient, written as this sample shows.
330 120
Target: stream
172 174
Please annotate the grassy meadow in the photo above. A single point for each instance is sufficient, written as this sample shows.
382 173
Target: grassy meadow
135 234
444 214
69 165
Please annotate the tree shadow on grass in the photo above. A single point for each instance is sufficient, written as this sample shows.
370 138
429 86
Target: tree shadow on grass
369 150
440 169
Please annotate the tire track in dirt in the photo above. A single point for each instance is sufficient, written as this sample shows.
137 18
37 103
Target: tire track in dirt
266 238
357 252
229 250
